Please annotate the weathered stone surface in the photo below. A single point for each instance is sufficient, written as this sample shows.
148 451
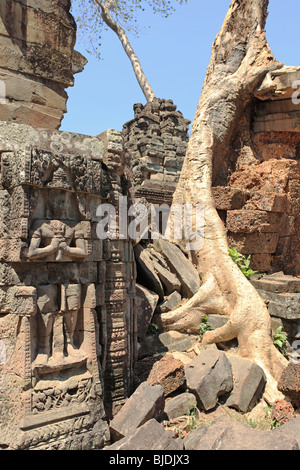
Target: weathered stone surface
249 381
149 436
169 280
169 373
283 411
209 376
180 405
285 305
170 303
157 141
292 429
146 302
228 198
38 61
229 434
181 266
247 221
145 403
146 272
163 342
192 440
289 383
57 272
254 242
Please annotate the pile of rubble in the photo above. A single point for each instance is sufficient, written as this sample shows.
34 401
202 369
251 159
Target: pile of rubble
165 279
191 382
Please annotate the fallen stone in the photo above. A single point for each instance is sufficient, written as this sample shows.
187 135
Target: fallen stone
249 383
282 411
168 279
286 306
270 285
289 383
164 342
180 266
180 405
149 436
209 376
192 440
146 272
170 303
169 373
146 302
229 434
291 429
145 403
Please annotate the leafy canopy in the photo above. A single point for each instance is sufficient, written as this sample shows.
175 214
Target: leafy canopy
124 12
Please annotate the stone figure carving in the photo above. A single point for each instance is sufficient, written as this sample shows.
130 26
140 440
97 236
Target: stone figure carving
60 240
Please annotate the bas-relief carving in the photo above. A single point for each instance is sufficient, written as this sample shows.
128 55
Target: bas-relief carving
74 338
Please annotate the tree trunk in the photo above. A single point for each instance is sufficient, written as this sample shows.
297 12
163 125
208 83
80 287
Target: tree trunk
240 59
137 68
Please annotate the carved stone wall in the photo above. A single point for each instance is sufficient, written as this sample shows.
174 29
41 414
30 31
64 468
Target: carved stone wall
37 60
156 140
67 306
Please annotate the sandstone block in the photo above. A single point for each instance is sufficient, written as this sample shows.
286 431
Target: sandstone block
146 302
247 221
150 436
170 303
169 373
229 434
249 383
181 266
253 242
228 198
180 405
145 403
146 272
289 383
209 376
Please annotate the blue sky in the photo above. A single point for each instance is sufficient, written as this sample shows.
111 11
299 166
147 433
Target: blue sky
174 54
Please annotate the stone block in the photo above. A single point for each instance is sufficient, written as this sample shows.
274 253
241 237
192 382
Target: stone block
261 262
180 405
145 403
169 373
180 266
249 383
209 376
285 306
169 280
247 221
283 411
228 198
267 201
253 243
229 434
146 272
150 436
146 302
289 383
170 303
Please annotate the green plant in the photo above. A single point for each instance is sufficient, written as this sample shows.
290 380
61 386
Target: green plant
205 326
243 262
280 340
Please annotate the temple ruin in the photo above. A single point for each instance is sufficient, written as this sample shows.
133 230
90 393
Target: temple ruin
75 307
